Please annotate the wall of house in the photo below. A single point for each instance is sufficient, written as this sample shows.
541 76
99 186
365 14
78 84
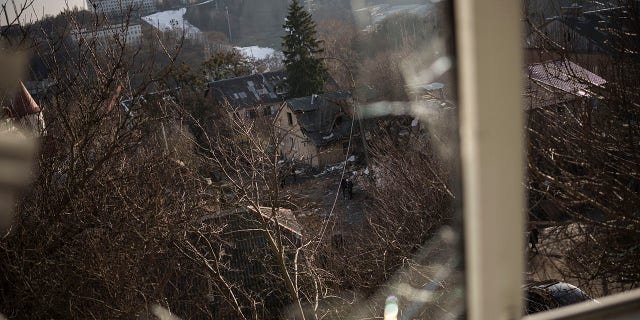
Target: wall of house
568 38
294 145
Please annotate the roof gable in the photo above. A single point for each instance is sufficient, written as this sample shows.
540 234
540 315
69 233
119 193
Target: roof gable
23 103
322 118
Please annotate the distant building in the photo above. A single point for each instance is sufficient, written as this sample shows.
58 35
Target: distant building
315 129
122 7
132 34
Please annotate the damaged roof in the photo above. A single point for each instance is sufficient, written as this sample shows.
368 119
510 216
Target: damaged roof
558 81
252 90
323 118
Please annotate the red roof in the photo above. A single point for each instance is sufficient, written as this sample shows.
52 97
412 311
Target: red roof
114 99
23 103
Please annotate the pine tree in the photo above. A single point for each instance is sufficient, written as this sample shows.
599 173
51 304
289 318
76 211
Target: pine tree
306 73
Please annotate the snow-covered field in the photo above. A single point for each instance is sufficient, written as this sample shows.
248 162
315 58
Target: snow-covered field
256 52
172 20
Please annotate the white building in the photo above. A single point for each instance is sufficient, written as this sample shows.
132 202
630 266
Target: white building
122 7
104 35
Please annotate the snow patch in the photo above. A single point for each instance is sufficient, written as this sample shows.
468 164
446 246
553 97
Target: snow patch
338 166
172 20
328 137
256 52
201 3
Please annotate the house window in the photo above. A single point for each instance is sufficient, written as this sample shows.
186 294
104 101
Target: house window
266 111
251 114
289 118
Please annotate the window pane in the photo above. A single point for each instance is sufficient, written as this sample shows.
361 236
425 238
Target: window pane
234 159
583 183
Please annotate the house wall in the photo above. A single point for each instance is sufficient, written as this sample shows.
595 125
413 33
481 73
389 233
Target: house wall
568 38
294 145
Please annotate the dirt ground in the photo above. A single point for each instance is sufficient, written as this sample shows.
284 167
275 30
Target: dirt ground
318 197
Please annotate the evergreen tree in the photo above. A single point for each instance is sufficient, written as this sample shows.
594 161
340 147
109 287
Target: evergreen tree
306 73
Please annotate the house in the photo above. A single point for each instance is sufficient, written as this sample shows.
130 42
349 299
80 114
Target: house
246 251
592 37
594 31
253 96
316 129
561 97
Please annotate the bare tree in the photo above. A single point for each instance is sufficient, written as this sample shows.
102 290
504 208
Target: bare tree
117 188
583 161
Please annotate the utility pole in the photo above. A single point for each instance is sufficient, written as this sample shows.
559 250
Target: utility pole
226 8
